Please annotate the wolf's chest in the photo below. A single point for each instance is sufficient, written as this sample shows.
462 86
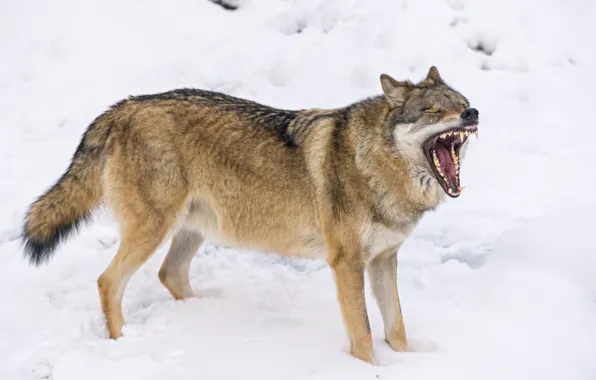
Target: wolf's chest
377 238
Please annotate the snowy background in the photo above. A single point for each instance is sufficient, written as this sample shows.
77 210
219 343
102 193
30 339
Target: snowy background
498 284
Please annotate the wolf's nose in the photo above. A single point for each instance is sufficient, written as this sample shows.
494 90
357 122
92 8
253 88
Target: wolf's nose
470 115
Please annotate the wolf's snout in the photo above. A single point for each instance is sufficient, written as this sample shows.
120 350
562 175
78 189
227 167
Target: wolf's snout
470 115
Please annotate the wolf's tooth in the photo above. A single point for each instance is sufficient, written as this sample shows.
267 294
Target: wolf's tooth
460 189
450 191
462 136
476 133
453 155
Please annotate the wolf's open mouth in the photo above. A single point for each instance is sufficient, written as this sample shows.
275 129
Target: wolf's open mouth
442 152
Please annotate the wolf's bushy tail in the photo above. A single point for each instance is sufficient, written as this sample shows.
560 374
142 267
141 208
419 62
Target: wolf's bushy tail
71 200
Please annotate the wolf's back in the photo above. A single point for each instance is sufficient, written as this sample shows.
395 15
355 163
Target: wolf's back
70 201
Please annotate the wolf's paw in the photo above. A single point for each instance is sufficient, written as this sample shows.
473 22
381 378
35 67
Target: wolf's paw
399 345
366 356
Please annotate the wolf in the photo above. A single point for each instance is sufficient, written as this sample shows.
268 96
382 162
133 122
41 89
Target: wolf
347 185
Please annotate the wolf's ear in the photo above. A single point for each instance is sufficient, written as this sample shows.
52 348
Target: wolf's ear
395 92
433 76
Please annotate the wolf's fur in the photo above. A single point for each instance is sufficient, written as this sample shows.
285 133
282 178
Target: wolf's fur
347 184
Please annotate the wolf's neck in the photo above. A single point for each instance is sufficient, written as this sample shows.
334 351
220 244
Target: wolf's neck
394 179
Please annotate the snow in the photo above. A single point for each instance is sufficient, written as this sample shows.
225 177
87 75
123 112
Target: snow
499 283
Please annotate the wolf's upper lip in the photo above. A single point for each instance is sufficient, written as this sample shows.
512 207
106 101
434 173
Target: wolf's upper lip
464 132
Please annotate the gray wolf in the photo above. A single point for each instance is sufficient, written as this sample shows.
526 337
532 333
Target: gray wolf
348 185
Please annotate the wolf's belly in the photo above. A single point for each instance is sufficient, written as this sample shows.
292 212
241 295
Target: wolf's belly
261 235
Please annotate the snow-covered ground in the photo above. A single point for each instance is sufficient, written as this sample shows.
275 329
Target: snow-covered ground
498 284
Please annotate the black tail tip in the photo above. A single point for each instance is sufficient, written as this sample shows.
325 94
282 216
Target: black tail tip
38 253
39 250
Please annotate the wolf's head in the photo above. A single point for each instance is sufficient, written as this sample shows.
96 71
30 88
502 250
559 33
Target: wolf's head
430 123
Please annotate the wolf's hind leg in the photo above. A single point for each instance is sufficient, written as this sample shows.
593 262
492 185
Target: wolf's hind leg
146 188
174 272
139 241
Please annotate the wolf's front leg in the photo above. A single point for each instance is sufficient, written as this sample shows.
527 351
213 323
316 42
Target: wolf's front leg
382 271
348 270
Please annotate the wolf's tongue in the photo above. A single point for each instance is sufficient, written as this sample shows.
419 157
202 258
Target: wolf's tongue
447 165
